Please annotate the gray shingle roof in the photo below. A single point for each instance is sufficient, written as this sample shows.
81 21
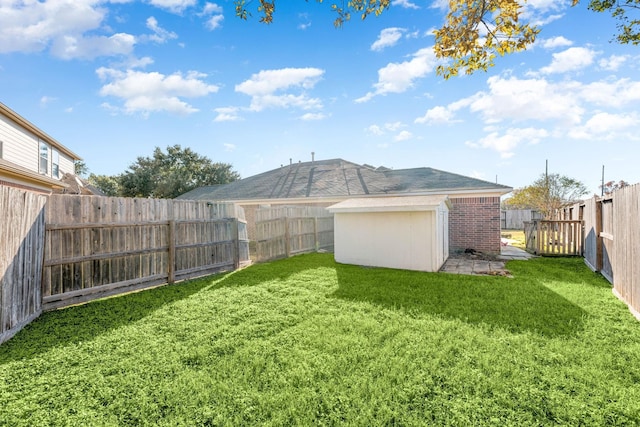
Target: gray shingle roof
339 178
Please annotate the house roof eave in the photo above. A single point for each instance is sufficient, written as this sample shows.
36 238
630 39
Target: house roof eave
17 118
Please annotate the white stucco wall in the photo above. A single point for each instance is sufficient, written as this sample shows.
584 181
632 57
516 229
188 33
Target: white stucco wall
409 233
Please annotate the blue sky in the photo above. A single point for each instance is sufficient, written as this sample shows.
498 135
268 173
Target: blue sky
111 80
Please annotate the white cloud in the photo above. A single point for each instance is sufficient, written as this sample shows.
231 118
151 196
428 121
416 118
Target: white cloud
574 58
229 147
403 136
214 15
437 115
525 99
34 26
264 88
379 130
215 22
174 6
375 130
404 3
555 42
615 93
149 92
211 8
506 143
160 35
71 47
542 12
607 126
313 116
227 114
46 100
387 38
399 77
613 63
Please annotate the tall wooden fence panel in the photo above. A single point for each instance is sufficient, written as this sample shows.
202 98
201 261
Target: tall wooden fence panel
514 219
22 228
626 242
591 219
99 246
284 231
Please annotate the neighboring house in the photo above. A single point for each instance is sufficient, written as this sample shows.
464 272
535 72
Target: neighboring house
29 158
474 216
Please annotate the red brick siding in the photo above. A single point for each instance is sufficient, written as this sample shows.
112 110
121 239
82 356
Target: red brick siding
474 223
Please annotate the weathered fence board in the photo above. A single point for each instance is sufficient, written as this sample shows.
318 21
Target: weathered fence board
514 219
288 230
626 245
554 237
99 246
22 228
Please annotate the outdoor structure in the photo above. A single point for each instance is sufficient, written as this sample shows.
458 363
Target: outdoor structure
411 233
474 216
29 158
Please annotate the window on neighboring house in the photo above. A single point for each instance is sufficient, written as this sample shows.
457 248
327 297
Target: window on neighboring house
55 163
44 158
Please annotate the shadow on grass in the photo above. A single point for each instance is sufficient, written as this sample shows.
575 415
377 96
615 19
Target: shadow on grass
85 322
82 323
520 304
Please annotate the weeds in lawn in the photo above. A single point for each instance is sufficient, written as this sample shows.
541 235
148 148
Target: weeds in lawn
306 341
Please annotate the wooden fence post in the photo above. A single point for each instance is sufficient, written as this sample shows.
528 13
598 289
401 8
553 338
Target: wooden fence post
287 239
599 243
171 259
315 233
235 236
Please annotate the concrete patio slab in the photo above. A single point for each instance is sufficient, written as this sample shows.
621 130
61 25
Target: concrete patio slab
474 264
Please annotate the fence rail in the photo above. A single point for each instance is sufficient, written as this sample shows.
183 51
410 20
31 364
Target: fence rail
290 230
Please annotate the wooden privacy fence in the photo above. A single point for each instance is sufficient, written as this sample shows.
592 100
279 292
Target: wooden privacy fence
514 219
21 235
554 237
99 246
289 230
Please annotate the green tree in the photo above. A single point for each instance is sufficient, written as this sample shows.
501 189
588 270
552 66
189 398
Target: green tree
172 173
547 194
80 168
475 32
109 185
626 12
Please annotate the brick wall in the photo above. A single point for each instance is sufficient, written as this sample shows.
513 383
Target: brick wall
474 223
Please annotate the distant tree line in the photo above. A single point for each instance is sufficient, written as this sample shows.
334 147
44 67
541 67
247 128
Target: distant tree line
164 175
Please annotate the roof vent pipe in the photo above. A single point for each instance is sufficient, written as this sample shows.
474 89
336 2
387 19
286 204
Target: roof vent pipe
313 157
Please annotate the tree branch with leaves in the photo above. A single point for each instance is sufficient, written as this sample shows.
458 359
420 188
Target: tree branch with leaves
475 32
547 194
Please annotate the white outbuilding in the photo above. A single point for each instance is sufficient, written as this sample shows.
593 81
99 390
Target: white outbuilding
410 233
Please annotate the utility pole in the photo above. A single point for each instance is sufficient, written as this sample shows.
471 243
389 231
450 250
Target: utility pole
602 184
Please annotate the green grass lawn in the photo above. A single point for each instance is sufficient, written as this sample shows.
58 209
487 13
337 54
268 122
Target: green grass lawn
305 341
516 237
